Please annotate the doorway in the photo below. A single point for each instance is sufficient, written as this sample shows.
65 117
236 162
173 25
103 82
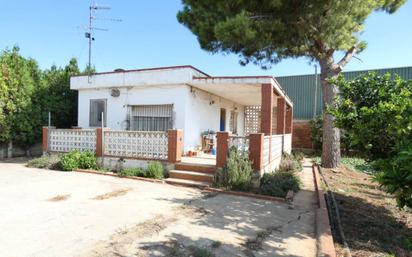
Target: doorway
222 119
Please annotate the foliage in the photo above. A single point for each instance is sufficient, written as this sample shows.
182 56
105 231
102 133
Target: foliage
27 94
357 164
237 172
76 159
279 183
155 170
376 111
395 175
44 162
138 172
289 163
266 32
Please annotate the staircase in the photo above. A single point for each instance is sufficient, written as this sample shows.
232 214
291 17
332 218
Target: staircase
189 174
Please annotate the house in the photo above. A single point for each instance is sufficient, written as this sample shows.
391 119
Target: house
181 97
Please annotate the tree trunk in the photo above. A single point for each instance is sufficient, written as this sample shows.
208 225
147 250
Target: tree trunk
331 135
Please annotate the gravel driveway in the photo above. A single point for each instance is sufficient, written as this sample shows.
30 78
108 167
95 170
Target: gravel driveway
51 213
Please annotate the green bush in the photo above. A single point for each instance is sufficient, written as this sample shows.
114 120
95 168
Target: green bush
279 183
237 172
44 162
138 172
289 163
76 159
155 170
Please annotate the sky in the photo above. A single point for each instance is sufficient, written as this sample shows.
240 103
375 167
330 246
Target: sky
149 35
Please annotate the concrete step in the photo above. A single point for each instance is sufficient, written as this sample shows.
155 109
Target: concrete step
204 168
184 182
191 175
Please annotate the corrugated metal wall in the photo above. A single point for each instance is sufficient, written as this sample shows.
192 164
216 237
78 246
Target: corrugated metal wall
301 89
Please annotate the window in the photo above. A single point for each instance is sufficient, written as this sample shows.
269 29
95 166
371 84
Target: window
233 122
97 107
151 117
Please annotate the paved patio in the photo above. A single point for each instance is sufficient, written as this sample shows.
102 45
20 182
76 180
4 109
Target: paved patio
50 213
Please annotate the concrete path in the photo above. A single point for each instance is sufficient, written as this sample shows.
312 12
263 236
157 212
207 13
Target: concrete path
48 213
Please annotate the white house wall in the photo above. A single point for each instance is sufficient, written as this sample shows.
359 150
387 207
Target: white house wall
142 95
203 113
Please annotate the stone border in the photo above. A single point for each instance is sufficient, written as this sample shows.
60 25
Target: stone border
325 244
111 174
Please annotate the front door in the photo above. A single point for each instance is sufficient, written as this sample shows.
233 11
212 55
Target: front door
222 119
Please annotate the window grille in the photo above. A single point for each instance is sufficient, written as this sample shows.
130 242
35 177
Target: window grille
97 107
151 117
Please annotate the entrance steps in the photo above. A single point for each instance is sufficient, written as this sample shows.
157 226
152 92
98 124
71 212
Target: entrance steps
189 174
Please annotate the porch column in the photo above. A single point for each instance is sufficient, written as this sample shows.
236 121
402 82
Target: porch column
100 141
289 120
174 145
281 116
256 150
266 109
222 149
45 140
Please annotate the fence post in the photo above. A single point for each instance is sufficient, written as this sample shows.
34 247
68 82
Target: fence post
256 150
222 148
174 145
45 141
99 142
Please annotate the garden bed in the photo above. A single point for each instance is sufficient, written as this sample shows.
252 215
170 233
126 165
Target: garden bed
371 221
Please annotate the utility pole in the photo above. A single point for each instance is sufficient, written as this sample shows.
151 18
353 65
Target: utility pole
93 8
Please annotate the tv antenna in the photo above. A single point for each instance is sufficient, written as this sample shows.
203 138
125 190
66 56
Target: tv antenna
93 9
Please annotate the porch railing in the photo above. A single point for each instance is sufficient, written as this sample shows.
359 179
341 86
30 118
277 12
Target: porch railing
136 144
287 138
240 142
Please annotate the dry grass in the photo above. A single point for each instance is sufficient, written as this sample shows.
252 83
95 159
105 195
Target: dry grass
59 198
372 223
115 193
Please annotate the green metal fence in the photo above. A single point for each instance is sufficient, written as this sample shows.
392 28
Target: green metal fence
301 89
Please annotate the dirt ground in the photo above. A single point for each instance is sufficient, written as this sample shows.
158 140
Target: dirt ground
50 213
372 223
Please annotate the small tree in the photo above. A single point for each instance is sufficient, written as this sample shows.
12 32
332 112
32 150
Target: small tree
266 32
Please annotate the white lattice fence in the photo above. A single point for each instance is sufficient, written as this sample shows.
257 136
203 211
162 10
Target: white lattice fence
287 138
241 143
276 146
252 119
136 144
66 140
266 150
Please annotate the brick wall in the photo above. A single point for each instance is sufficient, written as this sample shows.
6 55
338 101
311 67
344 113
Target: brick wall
301 134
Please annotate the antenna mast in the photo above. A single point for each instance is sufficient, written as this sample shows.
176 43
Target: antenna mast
93 8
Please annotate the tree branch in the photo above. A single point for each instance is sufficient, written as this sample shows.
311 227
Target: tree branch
348 56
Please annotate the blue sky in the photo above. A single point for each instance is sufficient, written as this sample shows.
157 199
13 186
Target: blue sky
51 32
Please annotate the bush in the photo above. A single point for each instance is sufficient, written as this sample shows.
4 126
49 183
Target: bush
155 170
279 183
290 163
237 172
138 172
75 159
45 162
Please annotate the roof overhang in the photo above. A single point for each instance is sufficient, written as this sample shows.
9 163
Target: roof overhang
243 90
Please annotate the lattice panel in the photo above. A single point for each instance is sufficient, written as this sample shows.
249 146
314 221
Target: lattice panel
276 146
66 140
287 143
252 119
241 143
266 150
136 144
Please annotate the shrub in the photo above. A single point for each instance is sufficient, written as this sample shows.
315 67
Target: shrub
44 162
279 183
237 172
76 159
155 170
290 163
138 172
